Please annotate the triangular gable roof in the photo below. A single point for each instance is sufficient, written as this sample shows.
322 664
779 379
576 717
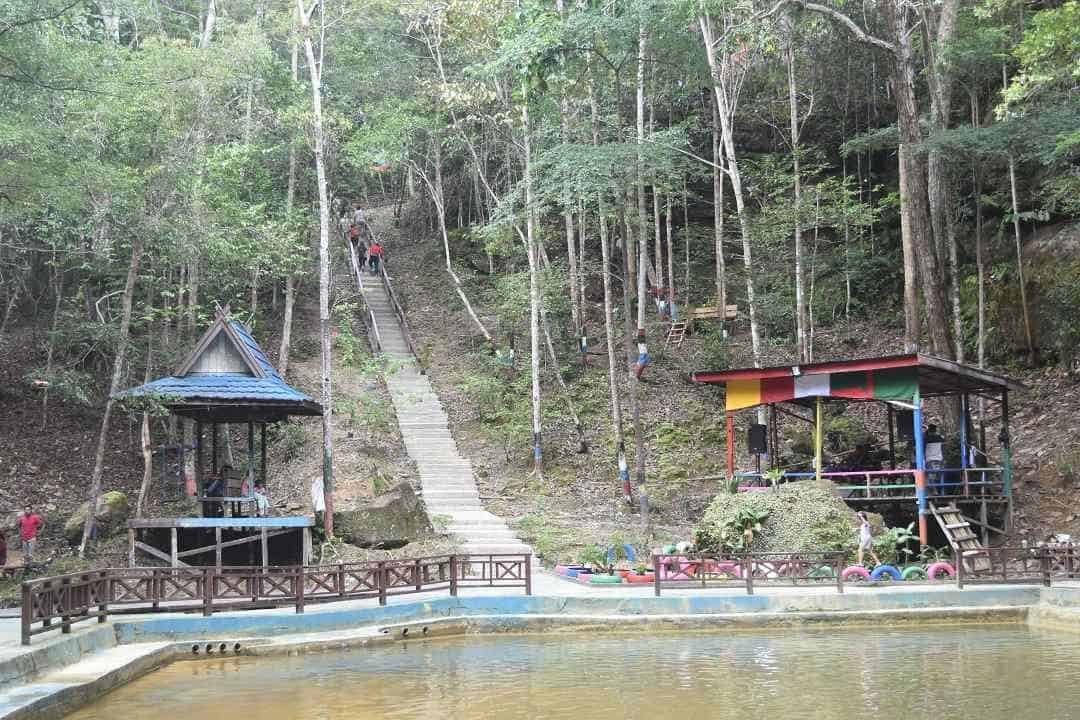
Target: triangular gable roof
239 338
258 392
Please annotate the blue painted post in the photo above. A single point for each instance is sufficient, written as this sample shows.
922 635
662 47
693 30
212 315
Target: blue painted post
964 442
920 471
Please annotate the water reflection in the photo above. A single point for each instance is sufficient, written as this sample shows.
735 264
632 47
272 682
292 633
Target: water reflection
992 672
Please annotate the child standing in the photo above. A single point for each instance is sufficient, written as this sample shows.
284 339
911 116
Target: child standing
866 539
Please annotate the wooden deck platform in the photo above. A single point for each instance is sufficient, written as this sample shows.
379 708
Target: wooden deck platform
246 530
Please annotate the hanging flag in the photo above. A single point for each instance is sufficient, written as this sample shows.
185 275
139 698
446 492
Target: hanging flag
888 384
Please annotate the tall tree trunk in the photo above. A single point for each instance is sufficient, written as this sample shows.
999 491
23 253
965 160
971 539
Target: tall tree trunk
144 436
912 331
315 78
568 213
1020 261
643 261
801 316
724 84
52 341
718 208
114 387
670 250
290 199
534 291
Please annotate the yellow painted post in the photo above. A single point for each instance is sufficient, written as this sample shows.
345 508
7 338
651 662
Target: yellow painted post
818 437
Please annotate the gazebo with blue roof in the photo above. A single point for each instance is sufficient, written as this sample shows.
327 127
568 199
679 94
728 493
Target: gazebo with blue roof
226 378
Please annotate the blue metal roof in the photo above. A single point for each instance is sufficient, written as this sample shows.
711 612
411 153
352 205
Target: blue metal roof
196 387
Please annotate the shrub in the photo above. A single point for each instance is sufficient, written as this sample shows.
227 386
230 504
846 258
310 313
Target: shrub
799 516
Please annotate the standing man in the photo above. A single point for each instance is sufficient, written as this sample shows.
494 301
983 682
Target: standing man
935 457
374 256
30 524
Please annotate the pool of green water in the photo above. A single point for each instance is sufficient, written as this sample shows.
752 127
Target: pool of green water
989 672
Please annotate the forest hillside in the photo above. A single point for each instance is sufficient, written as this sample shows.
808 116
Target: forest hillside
553 180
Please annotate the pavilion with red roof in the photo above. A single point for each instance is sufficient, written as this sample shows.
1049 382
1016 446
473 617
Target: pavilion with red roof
902 383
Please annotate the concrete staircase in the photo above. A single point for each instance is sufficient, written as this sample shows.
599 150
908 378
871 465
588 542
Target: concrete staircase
447 483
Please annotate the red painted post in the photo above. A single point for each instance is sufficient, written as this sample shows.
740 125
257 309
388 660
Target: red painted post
730 446
527 559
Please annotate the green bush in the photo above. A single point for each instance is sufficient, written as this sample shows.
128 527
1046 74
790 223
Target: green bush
799 516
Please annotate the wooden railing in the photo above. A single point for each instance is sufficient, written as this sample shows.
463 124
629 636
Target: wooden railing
748 570
400 312
62 601
1008 565
894 484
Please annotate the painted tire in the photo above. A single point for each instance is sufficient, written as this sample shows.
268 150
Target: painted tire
825 572
584 578
940 571
882 570
855 572
914 572
648 578
605 579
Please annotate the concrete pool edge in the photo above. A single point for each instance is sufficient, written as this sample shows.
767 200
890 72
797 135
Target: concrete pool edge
154 641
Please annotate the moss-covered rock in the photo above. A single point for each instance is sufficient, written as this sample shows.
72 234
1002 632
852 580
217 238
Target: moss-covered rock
802 516
109 516
389 521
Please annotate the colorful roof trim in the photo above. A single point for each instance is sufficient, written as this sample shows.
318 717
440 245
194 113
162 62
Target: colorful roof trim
897 378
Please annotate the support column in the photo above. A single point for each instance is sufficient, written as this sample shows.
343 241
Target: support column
964 444
264 541
131 547
818 437
1006 458
217 547
305 551
214 449
892 436
730 446
920 471
173 548
262 467
199 489
251 456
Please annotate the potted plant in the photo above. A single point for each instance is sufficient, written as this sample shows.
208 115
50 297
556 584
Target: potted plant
640 574
594 559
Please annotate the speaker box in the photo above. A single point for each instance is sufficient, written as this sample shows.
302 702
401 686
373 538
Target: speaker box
757 440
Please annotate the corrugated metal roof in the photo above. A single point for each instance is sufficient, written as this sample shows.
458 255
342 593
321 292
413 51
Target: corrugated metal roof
227 386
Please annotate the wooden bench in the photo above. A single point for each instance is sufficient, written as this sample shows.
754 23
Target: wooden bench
711 312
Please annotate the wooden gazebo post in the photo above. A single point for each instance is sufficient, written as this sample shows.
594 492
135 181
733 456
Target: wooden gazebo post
819 439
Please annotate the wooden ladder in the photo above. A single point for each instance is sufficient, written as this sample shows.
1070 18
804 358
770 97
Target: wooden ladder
962 537
676 333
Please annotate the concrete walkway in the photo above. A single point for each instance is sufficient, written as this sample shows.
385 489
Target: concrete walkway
447 483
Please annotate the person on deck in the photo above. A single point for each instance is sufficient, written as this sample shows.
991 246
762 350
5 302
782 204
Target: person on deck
30 524
866 540
375 253
934 452
262 501
216 488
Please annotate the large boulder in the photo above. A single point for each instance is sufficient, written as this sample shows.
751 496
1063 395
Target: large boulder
109 516
391 520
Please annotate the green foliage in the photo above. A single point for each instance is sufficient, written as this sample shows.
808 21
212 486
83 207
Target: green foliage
288 439
799 516
594 556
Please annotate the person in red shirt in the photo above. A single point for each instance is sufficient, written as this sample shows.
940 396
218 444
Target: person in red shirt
374 256
30 524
